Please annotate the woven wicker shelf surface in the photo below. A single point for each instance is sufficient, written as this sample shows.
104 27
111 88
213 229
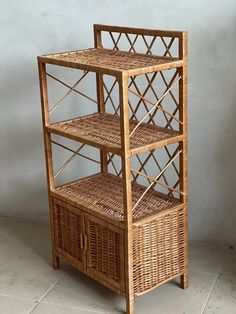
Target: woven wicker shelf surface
107 59
104 130
98 190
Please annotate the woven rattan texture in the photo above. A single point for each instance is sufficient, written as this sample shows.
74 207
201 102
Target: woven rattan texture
105 128
68 229
99 191
158 250
103 253
111 59
158 246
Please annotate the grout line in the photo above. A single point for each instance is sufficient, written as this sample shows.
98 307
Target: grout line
25 219
46 293
210 292
15 297
77 308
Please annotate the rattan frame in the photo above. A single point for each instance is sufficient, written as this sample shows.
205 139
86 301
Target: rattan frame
127 230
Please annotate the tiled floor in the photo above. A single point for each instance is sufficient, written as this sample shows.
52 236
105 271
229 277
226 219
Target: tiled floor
28 284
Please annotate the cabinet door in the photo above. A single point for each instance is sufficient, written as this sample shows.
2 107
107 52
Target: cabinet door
69 230
105 252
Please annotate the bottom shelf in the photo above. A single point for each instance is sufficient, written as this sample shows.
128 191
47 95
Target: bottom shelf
103 193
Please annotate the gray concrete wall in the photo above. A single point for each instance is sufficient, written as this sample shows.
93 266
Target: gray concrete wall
29 28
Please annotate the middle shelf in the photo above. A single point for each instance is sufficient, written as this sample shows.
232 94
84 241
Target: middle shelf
102 195
102 130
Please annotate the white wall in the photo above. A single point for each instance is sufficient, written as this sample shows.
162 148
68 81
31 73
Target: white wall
30 28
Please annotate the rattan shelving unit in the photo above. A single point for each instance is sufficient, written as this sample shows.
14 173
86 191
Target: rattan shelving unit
128 234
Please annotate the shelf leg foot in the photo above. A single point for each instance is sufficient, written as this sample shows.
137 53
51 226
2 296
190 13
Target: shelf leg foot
55 262
129 305
184 280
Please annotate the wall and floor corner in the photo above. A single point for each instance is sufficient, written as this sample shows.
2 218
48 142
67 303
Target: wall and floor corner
29 29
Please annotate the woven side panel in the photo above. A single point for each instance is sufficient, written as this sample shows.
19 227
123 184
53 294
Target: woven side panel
104 250
68 230
158 251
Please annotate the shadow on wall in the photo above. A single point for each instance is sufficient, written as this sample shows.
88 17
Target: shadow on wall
22 177
212 132
225 156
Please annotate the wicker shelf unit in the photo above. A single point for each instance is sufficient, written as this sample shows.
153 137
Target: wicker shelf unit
126 227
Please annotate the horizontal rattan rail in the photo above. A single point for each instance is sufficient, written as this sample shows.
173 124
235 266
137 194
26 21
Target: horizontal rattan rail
138 31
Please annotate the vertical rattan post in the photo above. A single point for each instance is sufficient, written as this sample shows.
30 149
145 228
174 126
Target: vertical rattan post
100 94
126 177
48 151
184 146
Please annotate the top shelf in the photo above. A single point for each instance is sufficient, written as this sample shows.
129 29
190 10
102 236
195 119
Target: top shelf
112 62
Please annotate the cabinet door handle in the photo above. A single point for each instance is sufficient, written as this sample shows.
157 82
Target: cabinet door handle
81 241
85 242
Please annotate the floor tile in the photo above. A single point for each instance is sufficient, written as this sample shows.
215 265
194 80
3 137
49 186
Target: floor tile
171 299
78 291
228 269
9 305
229 263
43 308
25 271
223 297
205 257
24 238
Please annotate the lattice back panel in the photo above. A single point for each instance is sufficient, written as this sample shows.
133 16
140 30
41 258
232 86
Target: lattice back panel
151 86
141 43
111 94
114 164
150 164
146 91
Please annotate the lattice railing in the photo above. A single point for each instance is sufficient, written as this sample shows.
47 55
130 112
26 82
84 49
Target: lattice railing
111 94
67 151
71 83
158 169
161 44
153 98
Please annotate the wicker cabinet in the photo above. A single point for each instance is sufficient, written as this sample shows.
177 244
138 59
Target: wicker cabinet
126 224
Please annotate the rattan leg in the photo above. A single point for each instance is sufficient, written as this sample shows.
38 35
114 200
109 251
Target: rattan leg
130 305
55 261
184 280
